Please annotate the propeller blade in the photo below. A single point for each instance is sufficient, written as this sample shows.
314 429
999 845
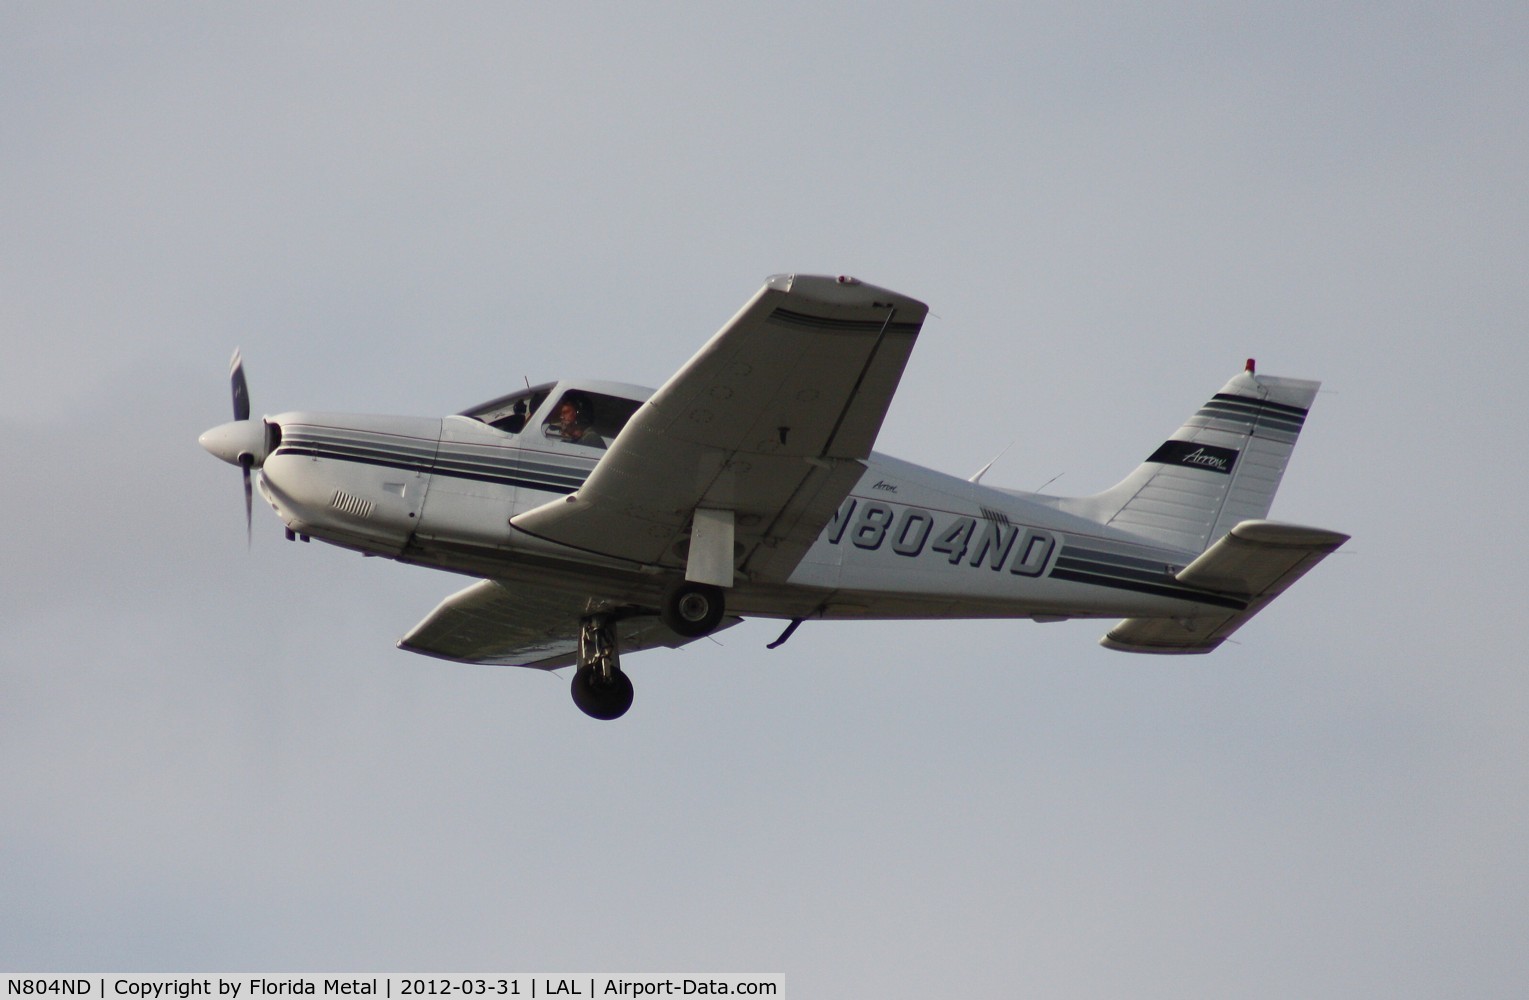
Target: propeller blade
240 386
245 462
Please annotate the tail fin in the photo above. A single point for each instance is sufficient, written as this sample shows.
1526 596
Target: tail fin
1221 468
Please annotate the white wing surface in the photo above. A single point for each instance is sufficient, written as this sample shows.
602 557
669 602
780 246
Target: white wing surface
523 625
770 422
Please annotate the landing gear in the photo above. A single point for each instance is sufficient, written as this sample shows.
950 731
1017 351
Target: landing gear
599 687
692 609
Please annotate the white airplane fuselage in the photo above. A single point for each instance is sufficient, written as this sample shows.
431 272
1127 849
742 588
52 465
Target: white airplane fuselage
907 542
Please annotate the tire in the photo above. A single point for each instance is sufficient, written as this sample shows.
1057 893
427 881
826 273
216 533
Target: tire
692 609
601 700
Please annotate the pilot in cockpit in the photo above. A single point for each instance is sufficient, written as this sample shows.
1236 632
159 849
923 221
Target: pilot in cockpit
571 420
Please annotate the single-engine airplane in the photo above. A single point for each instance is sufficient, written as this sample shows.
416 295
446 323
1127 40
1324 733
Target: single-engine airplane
606 518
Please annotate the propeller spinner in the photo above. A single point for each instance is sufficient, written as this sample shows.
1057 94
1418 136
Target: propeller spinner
243 442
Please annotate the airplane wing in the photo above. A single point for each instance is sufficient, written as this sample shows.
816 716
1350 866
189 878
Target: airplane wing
1258 560
768 424
521 625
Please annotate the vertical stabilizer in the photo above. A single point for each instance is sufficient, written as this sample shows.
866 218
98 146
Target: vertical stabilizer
1222 467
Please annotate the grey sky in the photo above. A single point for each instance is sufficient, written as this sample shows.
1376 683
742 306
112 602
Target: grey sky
215 759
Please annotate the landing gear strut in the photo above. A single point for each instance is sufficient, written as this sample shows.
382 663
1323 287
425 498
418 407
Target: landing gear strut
599 687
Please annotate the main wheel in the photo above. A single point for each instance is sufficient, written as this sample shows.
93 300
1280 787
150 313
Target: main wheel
601 699
692 609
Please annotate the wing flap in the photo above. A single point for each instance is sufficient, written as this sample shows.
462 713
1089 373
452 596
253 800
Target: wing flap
1256 559
771 420
518 625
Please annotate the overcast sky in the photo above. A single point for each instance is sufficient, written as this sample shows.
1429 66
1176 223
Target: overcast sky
214 759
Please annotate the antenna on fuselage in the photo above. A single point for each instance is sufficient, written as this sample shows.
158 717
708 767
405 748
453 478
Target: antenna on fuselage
983 471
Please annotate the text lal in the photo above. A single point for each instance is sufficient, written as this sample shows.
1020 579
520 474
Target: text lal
687 987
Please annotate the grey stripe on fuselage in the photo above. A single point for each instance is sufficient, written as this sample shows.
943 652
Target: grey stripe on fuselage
545 473
1098 566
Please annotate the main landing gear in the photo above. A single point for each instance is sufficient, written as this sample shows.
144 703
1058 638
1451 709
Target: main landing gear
600 689
692 609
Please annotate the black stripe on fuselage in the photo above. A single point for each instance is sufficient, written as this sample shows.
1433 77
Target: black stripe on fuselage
1177 592
360 446
1104 564
547 479
1123 572
488 471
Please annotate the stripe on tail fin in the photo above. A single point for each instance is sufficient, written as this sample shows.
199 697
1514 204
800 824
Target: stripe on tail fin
1219 469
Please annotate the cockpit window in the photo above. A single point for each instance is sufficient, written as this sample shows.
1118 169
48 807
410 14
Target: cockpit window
590 419
510 413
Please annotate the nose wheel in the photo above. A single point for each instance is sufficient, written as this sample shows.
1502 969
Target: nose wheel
599 688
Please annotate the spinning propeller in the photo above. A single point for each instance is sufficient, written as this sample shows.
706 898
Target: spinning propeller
243 442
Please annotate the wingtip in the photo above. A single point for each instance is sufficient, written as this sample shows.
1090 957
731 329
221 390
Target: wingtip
842 290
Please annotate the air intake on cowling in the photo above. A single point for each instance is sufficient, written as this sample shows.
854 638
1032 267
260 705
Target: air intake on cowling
349 503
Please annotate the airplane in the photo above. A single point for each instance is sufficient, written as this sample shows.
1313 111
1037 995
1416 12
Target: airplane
602 518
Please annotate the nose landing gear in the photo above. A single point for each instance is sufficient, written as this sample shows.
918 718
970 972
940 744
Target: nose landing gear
599 688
